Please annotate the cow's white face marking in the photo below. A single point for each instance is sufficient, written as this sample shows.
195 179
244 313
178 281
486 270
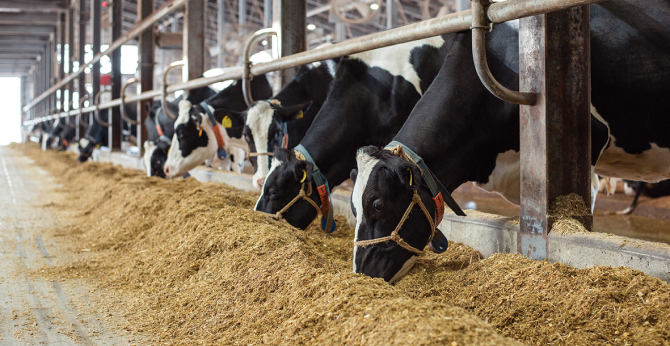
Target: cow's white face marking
275 164
84 142
400 64
149 148
365 165
259 119
403 271
179 165
504 179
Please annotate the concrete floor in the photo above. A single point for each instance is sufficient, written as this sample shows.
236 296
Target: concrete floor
40 309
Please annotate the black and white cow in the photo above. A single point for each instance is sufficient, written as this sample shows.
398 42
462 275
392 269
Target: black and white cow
283 120
194 141
370 99
59 136
464 133
96 135
160 130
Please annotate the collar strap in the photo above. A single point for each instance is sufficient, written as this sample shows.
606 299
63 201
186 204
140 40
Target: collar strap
284 139
162 136
221 151
327 219
91 139
439 192
395 235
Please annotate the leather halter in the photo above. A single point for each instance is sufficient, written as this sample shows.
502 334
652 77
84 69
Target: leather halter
301 195
284 144
395 236
406 153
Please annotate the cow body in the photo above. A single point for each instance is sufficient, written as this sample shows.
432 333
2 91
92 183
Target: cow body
464 133
95 136
369 101
191 147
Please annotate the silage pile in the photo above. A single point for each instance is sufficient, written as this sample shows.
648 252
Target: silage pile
209 270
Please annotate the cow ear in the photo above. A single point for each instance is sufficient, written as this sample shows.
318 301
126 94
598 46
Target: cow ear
284 114
353 175
229 118
302 172
409 175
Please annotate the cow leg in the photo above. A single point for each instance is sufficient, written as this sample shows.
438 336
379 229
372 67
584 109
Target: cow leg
638 191
595 186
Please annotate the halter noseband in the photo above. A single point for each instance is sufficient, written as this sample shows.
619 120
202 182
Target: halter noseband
302 194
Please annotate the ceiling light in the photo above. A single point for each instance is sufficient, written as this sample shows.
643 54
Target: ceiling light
311 26
374 6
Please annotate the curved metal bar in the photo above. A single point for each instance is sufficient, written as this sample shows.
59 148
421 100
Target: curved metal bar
124 116
81 103
246 75
96 113
170 67
480 24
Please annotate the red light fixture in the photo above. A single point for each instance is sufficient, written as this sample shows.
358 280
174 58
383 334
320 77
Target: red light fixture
104 4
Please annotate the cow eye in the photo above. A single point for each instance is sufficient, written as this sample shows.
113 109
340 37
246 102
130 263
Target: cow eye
378 205
273 192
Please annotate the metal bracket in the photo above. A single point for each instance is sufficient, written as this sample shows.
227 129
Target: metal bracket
124 116
96 113
246 75
481 24
170 67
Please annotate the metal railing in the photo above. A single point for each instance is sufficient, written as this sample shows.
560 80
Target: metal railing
496 13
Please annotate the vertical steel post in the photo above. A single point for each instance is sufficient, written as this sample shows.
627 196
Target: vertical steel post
61 54
555 132
194 40
81 81
95 37
115 113
241 16
70 52
462 5
146 50
220 22
51 71
293 27
267 13
392 14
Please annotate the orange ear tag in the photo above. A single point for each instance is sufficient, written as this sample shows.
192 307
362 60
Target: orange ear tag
200 133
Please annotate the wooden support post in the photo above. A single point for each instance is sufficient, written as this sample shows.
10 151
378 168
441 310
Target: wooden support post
293 16
115 112
556 132
194 40
146 67
81 52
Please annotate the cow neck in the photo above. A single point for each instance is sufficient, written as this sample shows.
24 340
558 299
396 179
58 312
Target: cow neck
327 219
221 151
161 136
468 126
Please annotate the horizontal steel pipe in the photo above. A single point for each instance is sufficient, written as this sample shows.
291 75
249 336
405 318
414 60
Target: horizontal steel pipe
136 30
497 13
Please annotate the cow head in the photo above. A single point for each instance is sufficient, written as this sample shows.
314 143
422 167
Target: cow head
283 183
86 146
155 155
194 141
384 185
265 127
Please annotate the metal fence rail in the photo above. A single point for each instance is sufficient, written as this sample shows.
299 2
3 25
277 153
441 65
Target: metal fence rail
497 13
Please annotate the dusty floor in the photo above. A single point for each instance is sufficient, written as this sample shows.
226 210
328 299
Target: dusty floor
35 310
180 262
